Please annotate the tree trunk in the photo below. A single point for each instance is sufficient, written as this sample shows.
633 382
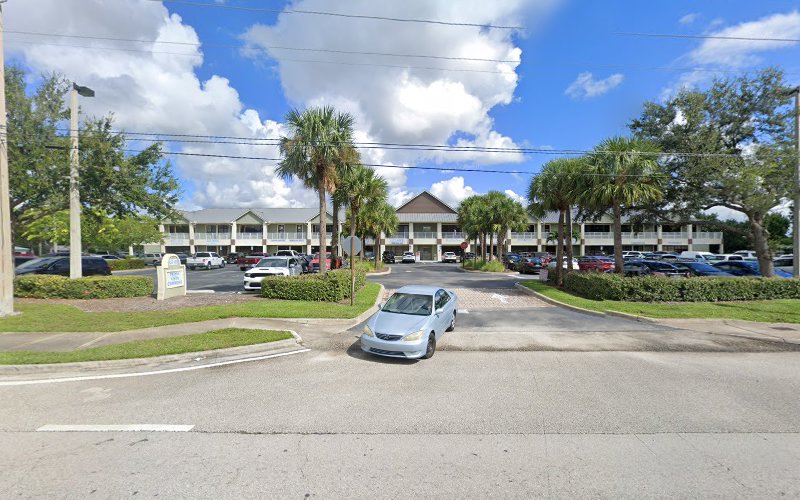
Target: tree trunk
761 246
491 246
560 250
569 240
377 250
335 247
619 263
483 247
322 228
363 248
501 244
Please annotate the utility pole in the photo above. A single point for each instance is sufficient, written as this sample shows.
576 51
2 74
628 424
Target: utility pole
6 239
796 202
75 250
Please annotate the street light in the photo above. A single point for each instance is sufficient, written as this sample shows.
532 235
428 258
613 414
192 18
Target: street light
75 269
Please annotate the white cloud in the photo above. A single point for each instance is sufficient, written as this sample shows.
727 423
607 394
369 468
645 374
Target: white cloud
407 104
155 92
516 197
741 53
452 191
689 18
585 86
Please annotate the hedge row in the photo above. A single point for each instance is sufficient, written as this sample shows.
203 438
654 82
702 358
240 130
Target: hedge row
333 286
125 264
43 286
608 286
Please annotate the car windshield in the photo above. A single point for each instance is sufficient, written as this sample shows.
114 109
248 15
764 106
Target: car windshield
36 264
699 266
202 254
273 262
409 303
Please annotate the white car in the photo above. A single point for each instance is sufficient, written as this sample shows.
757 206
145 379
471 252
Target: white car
409 257
205 260
153 259
552 264
734 257
633 255
785 263
747 254
271 266
449 257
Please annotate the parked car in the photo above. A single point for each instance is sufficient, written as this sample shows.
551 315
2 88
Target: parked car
411 322
695 268
109 257
183 257
233 257
746 253
271 266
596 263
664 269
205 260
634 268
337 263
552 264
530 265
784 263
287 253
21 259
388 257
153 259
734 256
669 256
747 268
90 266
511 260
633 255
696 255
369 256
408 257
245 262
469 256
449 257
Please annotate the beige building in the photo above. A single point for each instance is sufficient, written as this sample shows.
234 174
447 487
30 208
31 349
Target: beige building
428 227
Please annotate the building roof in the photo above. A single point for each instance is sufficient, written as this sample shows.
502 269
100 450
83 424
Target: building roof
413 217
269 215
425 202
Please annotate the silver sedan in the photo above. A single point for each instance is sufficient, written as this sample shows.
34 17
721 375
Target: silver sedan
411 322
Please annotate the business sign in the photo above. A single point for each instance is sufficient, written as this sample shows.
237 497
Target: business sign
397 241
171 277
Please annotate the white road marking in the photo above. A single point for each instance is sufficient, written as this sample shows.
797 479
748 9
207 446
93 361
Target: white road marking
115 428
463 311
501 298
144 374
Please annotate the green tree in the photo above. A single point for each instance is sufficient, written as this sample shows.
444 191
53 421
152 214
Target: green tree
737 144
470 211
319 148
361 186
379 218
511 216
625 175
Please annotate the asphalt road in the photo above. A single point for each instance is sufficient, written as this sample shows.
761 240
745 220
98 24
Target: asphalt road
592 407
225 280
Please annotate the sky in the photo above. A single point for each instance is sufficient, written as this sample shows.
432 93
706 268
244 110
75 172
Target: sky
565 77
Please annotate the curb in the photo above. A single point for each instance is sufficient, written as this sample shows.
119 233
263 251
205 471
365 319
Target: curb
372 310
484 272
116 364
554 302
382 273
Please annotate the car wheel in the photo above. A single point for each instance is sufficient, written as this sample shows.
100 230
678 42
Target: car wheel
222 266
191 268
431 348
208 266
452 323
243 269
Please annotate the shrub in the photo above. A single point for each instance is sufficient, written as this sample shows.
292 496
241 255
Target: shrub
609 286
43 286
125 264
492 266
333 286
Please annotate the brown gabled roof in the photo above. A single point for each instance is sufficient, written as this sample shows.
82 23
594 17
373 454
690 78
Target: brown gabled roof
425 203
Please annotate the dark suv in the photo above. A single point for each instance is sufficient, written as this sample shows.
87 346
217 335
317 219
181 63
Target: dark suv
388 257
91 266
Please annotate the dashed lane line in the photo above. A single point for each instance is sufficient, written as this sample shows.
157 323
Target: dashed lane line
115 428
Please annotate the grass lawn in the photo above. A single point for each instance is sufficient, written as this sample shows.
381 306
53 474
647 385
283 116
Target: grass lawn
217 339
770 311
64 318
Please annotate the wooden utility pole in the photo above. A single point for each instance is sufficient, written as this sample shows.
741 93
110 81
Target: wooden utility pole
6 239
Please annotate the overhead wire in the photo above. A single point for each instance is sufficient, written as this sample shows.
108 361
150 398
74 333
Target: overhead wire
708 37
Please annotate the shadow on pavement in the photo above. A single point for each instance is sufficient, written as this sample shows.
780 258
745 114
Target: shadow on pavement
354 351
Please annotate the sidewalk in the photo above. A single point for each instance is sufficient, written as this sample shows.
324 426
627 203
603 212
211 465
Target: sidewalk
775 332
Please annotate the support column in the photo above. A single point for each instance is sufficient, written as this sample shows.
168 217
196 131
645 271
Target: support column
659 238
538 235
233 237
689 236
161 247
191 238
264 237
583 239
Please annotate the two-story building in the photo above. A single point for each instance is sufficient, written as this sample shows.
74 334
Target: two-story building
428 227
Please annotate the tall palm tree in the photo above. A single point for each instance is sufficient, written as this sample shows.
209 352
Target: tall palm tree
361 186
626 174
511 216
469 220
557 189
379 218
319 148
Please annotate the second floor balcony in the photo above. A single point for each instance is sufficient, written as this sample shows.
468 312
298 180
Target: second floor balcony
212 238
176 238
249 236
452 236
292 237
424 235
524 236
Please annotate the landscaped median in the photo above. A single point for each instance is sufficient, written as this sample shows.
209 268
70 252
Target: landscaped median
491 266
770 311
216 339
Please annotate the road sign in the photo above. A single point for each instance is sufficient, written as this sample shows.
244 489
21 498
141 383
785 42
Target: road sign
356 241
464 245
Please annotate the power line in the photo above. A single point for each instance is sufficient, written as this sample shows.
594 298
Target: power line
338 14
711 37
271 47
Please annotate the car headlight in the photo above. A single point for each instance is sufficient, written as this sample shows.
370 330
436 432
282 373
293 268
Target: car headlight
246 275
412 337
368 331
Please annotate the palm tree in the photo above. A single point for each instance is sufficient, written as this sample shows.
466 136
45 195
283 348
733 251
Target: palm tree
557 189
511 216
361 186
377 219
469 220
625 173
319 148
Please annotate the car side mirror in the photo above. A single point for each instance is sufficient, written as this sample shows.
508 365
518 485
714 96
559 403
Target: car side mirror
440 310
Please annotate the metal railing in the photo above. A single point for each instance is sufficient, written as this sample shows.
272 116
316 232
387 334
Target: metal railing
707 236
598 236
453 235
423 235
640 236
249 236
212 236
669 235
397 236
288 236
524 236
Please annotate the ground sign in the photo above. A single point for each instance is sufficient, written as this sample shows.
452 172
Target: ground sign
171 277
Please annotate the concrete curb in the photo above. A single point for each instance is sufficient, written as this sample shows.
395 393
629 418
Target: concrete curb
118 364
382 273
372 310
558 303
484 272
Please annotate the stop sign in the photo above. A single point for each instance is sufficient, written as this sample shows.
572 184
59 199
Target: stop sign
464 245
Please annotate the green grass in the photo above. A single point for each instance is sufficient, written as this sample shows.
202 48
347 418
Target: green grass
492 266
769 311
65 318
369 266
217 339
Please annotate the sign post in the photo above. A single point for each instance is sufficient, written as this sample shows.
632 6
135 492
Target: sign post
352 247
464 246
171 277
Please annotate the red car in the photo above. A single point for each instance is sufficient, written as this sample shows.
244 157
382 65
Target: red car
600 264
315 263
246 262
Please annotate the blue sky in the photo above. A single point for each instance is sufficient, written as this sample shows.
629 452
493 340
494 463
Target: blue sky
228 91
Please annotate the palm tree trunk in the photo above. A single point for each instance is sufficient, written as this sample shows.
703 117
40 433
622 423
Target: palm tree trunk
501 244
377 250
323 230
363 248
761 246
619 263
483 247
569 240
560 250
491 246
335 247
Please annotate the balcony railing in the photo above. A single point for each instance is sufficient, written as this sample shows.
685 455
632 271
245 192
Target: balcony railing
525 236
710 236
397 236
220 237
288 237
176 238
668 235
453 235
640 236
598 236
249 236
424 235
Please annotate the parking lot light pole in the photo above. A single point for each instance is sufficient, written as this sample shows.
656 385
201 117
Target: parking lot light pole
75 250
796 203
6 239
